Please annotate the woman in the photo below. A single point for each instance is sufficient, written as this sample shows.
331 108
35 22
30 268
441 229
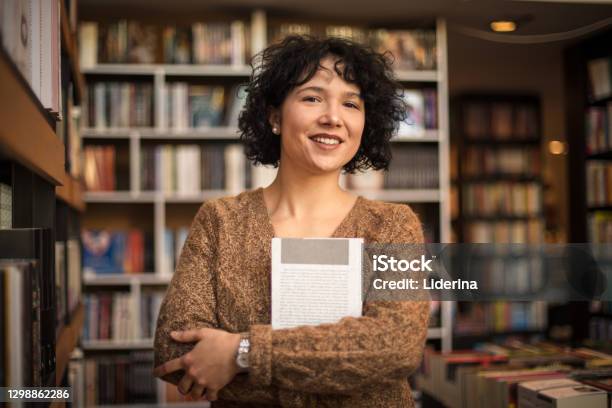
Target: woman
314 108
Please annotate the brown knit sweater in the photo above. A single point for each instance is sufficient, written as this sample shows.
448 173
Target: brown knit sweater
223 281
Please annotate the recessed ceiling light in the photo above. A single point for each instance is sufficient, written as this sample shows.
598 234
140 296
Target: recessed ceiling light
503 26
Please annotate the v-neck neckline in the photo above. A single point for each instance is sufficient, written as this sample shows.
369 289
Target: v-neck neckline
336 234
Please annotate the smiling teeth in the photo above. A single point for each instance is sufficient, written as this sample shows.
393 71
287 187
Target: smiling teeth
326 140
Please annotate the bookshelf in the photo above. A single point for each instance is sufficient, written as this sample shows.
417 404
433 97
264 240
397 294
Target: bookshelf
588 117
500 200
42 195
132 207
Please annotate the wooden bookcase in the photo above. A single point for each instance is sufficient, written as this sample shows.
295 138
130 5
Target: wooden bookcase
578 100
44 192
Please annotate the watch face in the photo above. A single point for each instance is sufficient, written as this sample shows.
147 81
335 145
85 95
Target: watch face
242 360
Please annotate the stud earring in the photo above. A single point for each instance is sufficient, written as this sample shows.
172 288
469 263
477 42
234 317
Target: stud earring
275 130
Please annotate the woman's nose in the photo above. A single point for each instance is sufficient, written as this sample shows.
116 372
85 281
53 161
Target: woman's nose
331 117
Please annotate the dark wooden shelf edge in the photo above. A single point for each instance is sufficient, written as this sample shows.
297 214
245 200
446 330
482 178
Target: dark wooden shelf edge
67 341
25 134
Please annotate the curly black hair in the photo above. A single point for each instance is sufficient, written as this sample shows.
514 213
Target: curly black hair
283 66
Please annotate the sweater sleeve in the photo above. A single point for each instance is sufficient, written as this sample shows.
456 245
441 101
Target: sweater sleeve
382 346
190 301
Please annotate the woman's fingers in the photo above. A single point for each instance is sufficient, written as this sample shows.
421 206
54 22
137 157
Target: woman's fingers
169 367
185 385
187 336
197 391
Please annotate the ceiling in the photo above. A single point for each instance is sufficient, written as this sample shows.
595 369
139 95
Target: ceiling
535 17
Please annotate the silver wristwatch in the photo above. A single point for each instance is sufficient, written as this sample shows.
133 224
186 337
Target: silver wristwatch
242 355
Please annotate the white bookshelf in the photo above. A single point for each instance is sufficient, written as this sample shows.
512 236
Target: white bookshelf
160 200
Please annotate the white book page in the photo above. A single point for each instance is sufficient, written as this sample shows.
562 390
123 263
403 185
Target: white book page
315 281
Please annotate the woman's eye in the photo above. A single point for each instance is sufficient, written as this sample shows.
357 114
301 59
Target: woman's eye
310 99
352 105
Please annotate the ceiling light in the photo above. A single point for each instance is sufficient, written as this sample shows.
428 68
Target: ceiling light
503 26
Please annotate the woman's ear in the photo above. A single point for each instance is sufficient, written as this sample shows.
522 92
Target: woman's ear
274 121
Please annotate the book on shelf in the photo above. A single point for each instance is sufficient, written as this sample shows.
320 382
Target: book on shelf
31 37
599 183
508 162
150 303
99 168
413 167
500 121
600 227
60 282
20 297
111 252
411 49
173 245
193 106
191 169
600 77
502 198
516 232
599 129
111 316
120 379
421 110
135 42
6 206
500 317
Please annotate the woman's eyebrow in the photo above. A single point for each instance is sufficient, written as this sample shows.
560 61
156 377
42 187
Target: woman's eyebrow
318 89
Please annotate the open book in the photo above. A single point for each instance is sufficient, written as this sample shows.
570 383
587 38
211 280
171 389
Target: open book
315 280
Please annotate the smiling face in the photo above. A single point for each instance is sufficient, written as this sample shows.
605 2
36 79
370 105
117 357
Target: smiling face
321 122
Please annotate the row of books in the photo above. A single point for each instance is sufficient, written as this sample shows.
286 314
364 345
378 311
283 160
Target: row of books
6 206
518 374
502 199
174 239
99 168
599 183
120 379
500 121
136 42
119 104
600 78
30 32
27 304
189 169
410 49
495 162
22 362
413 167
515 232
121 316
422 112
600 227
599 129
110 251
500 317
110 316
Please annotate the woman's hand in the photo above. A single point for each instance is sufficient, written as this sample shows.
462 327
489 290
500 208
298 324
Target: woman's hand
210 366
